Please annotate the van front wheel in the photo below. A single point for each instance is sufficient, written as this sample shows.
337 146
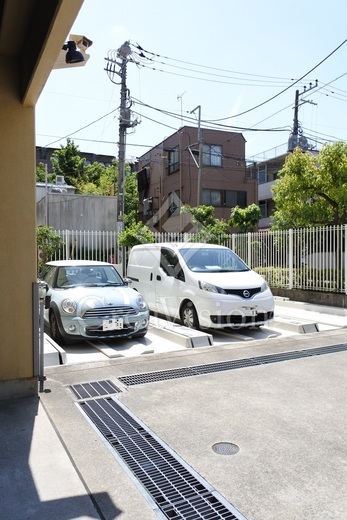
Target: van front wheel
189 316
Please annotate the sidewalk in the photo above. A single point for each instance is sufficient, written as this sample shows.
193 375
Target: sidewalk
287 418
37 477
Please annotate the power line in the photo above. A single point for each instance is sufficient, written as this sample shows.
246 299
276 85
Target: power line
208 66
260 83
83 127
287 88
211 124
216 121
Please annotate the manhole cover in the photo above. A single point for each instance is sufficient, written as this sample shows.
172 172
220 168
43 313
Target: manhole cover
225 448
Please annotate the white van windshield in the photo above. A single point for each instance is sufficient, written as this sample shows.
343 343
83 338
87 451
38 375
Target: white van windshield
212 260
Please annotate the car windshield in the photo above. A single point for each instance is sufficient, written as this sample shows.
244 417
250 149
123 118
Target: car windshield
212 260
88 275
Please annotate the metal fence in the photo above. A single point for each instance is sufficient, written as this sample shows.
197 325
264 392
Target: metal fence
310 259
88 245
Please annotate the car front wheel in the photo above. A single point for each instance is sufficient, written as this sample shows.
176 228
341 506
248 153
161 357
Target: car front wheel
189 316
54 329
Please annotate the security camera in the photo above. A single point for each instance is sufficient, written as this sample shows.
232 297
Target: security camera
82 42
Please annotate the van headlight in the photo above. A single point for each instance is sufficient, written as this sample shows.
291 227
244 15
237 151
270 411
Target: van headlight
264 286
209 287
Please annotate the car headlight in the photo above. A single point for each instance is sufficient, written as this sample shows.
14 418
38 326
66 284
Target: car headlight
205 286
69 306
141 302
264 286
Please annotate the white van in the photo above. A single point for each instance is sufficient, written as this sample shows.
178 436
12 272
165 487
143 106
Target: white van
203 285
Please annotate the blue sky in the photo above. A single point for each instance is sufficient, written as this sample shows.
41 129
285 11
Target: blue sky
226 56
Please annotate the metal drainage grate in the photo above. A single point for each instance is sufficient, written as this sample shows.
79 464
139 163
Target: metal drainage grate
176 373
177 490
94 389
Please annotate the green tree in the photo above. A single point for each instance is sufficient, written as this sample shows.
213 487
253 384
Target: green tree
134 234
48 243
131 199
245 218
312 190
210 229
41 174
96 179
101 180
68 162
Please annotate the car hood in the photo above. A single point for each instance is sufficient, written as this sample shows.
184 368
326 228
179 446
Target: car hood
233 280
106 295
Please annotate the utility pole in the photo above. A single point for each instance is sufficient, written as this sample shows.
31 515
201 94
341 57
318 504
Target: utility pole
123 55
294 139
122 146
46 197
200 154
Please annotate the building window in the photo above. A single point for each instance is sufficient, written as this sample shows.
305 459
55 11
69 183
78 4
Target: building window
227 198
174 161
212 155
262 174
212 197
264 209
235 198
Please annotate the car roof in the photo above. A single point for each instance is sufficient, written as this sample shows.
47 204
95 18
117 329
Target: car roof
182 245
76 263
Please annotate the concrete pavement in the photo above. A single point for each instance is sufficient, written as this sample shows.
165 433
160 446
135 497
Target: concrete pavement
286 416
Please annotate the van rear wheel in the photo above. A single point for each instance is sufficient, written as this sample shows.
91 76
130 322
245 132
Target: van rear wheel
189 316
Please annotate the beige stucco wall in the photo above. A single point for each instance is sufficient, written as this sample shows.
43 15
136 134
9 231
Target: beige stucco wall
17 234
30 42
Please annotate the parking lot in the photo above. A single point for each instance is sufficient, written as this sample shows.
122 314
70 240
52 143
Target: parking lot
274 407
291 319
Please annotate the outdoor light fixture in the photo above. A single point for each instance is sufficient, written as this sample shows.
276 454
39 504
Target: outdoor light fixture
73 55
73 52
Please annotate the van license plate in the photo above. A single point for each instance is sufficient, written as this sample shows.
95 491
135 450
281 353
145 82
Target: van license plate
114 324
250 311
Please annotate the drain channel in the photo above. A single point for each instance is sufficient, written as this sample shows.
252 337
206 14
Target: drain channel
176 489
176 373
94 389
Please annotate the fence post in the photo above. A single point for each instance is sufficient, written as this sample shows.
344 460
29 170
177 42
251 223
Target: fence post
345 258
291 258
249 250
233 244
67 244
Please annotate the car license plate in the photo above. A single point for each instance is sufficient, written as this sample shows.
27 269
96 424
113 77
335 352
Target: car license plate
113 324
250 311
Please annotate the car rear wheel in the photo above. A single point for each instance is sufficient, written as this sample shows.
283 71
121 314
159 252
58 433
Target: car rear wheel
189 316
54 329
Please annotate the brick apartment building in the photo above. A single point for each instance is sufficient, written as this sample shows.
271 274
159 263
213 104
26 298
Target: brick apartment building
171 175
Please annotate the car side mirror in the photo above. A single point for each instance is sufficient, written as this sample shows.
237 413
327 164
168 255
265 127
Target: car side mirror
127 281
43 288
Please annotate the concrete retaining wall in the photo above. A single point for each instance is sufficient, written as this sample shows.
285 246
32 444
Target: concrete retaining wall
322 298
